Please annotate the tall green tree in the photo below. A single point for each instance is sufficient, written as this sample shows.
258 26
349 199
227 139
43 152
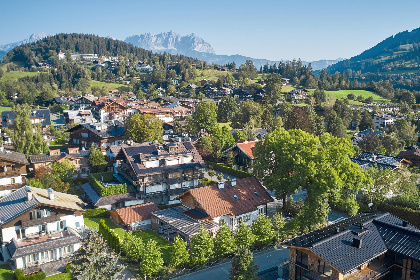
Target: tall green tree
132 246
227 109
224 242
243 267
151 262
366 122
95 260
262 228
278 226
201 247
180 255
244 236
205 117
287 161
97 160
143 128
21 130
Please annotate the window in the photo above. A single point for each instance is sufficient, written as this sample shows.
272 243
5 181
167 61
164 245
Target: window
77 224
299 273
324 268
302 258
34 215
12 180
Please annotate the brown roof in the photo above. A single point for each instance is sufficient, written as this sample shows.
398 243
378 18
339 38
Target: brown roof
13 156
136 213
247 147
218 202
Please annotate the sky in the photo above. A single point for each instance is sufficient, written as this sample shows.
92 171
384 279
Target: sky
270 29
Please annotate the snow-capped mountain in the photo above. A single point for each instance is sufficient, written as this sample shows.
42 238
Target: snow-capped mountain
170 42
33 38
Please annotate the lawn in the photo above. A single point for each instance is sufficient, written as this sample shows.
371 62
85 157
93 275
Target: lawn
5 108
60 276
210 74
59 144
287 88
225 124
165 246
94 224
109 86
6 273
364 93
15 75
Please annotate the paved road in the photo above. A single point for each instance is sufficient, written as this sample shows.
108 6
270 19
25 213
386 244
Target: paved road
265 260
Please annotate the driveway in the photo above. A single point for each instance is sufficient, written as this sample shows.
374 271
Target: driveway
265 260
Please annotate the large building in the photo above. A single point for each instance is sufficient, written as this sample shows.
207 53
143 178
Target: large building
365 246
39 226
41 116
159 172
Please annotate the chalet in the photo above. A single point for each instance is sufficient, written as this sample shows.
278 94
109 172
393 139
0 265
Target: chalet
41 116
365 246
244 154
79 116
298 93
227 202
383 120
82 102
134 217
107 110
160 172
244 95
61 55
285 81
144 68
79 158
100 135
13 170
39 226
366 160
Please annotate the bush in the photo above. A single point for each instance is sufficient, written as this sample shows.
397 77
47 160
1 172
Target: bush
95 181
226 169
96 213
206 181
19 274
36 276
109 236
67 268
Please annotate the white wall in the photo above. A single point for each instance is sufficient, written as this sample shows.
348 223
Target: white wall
172 162
154 188
5 192
108 207
8 181
133 202
9 233
154 163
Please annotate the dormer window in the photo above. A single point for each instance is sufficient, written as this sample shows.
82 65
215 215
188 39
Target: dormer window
236 197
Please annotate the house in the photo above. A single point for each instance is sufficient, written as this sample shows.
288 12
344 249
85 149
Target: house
359 136
227 202
298 93
39 226
82 102
285 81
365 246
412 155
366 160
244 154
160 172
13 171
100 134
134 217
107 110
79 116
144 68
61 55
383 120
78 158
41 116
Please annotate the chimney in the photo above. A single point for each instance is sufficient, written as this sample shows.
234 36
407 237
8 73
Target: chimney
233 182
357 242
51 194
221 185
29 193
404 223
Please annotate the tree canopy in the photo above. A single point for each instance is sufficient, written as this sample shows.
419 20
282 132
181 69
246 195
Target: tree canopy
143 128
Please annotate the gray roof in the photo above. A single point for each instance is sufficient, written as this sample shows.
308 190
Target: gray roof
380 233
15 204
35 114
14 156
60 242
176 218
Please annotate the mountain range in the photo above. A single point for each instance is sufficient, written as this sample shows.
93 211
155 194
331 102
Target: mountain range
4 49
193 46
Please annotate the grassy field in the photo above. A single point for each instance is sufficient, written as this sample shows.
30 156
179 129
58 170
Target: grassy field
287 88
109 86
60 276
210 74
364 93
15 75
94 224
165 246
6 273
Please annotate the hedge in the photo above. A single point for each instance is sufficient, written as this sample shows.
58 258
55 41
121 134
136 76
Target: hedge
37 276
226 169
95 181
410 215
110 236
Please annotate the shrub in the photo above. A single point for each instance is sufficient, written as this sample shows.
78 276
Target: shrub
19 274
36 276
229 170
95 181
67 268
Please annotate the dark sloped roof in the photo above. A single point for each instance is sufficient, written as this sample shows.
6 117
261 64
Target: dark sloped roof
14 157
35 114
380 233
15 204
106 200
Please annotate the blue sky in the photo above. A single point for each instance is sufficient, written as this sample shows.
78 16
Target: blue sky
277 29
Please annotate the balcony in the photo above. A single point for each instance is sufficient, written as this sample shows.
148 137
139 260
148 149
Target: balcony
375 270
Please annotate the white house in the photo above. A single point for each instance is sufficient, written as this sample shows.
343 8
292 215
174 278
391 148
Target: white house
383 120
39 226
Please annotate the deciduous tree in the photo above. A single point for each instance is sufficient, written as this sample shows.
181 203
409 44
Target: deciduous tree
224 242
244 236
180 255
151 262
143 128
243 267
201 247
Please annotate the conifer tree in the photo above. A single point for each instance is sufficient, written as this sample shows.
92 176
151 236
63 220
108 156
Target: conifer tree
201 247
180 255
224 243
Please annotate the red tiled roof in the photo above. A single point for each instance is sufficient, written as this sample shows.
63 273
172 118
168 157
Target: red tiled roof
247 147
219 202
136 213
